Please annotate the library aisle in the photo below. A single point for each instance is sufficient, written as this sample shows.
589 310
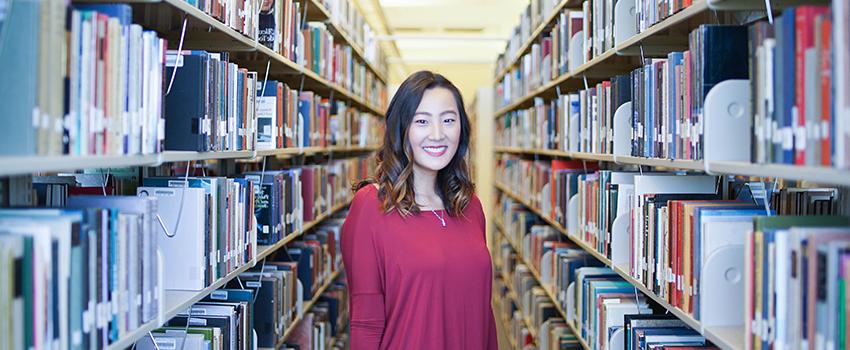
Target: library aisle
655 174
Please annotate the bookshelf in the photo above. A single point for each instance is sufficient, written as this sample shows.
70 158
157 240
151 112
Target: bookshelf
512 294
621 58
534 34
307 306
723 337
179 301
317 12
501 228
207 33
530 109
167 18
815 174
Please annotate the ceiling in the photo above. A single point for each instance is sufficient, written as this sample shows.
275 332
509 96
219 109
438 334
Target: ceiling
439 32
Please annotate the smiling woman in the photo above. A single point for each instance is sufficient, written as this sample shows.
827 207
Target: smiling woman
427 135
413 244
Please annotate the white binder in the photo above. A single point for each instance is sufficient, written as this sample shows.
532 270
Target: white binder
183 246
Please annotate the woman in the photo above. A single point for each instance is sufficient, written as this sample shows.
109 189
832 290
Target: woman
413 244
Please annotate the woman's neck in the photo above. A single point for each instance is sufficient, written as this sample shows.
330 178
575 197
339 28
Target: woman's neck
425 188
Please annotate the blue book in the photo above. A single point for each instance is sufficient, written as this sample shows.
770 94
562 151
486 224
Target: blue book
19 50
674 60
787 56
303 256
305 109
123 12
267 194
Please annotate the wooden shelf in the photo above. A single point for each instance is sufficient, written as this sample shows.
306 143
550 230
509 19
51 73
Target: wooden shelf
307 306
265 250
546 289
186 156
21 165
727 338
203 32
309 151
317 12
177 301
512 294
661 38
815 174
546 23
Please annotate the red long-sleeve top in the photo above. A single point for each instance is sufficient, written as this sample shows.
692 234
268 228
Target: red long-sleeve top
414 284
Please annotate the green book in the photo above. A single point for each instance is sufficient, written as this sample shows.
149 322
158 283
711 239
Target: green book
842 312
26 282
212 335
780 222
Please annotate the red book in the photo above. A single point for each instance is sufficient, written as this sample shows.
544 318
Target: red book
307 192
685 147
281 127
244 123
826 89
675 246
804 22
97 191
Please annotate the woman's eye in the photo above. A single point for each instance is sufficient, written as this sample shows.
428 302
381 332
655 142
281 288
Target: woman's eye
449 120
421 121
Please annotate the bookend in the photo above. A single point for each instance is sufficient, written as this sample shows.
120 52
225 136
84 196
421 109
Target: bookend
299 305
576 51
727 103
570 307
573 139
721 287
624 21
622 129
618 337
572 213
620 241
160 288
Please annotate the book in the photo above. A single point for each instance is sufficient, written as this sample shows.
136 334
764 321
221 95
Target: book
70 264
783 261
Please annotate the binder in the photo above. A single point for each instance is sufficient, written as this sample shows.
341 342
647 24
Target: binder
183 243
186 125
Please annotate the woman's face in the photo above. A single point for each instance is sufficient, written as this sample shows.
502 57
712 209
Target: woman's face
434 133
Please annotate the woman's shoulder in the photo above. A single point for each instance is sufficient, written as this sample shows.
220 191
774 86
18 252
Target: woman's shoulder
474 206
474 202
365 198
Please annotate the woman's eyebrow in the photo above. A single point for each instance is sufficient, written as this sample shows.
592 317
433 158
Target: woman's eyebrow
422 112
448 112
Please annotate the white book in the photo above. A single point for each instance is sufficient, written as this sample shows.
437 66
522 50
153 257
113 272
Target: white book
171 341
841 13
614 311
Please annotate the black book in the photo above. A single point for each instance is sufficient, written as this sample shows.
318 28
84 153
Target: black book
721 53
185 128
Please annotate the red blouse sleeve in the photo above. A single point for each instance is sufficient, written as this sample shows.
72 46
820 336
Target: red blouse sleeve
364 269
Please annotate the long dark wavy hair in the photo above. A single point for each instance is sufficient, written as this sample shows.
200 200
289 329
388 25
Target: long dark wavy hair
394 174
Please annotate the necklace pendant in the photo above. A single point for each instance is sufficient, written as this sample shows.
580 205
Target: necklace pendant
442 219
